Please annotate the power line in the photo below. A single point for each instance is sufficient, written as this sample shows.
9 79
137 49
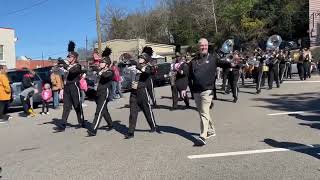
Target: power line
25 8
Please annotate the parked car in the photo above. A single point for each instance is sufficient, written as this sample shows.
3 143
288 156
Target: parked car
161 74
44 74
15 78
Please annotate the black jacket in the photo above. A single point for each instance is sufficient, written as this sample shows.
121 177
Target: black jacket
27 82
74 73
105 82
182 77
143 76
203 71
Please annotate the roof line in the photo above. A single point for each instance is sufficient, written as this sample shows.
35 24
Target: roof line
6 28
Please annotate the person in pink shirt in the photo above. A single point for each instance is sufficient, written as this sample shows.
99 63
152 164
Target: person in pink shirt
46 98
96 57
83 88
116 82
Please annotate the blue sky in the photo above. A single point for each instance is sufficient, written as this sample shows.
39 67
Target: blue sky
49 26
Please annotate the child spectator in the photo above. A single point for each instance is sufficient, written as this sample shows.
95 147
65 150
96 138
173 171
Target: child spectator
46 98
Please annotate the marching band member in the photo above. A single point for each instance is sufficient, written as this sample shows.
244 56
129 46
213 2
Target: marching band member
273 70
139 97
181 80
282 66
71 95
103 92
149 83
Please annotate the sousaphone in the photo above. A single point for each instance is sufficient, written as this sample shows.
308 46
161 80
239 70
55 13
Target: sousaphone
227 46
274 42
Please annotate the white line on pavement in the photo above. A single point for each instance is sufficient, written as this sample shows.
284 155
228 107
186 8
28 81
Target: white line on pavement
299 82
254 152
294 112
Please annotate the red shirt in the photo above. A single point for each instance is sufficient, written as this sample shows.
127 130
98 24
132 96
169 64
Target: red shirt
116 72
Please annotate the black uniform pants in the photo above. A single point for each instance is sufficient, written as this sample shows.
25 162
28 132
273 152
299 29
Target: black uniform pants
273 76
301 70
305 69
309 69
71 97
261 79
215 88
288 70
175 96
150 89
140 100
282 69
233 78
3 105
242 75
225 73
101 111
190 85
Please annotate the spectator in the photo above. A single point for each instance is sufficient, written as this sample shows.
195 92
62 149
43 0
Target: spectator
83 89
5 93
28 91
57 85
96 59
116 82
46 98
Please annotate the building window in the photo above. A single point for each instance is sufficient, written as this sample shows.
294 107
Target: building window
1 52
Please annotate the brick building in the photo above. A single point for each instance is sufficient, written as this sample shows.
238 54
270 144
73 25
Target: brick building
33 64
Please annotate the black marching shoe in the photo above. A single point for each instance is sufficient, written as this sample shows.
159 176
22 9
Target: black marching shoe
235 100
129 136
91 133
155 129
201 142
258 91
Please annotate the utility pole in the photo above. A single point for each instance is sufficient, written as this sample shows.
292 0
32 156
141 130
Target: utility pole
214 15
98 25
86 54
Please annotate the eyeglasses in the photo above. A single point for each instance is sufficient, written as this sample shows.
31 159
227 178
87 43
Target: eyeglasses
70 56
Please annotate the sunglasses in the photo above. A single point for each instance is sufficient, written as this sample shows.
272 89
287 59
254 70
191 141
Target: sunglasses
70 56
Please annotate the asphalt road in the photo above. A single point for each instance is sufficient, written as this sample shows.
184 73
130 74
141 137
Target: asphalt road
30 149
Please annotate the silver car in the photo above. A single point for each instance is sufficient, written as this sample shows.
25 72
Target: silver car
15 78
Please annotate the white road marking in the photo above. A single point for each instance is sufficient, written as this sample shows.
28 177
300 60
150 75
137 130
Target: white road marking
254 152
294 112
299 82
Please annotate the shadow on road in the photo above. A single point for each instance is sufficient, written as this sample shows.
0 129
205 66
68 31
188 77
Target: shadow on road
292 146
123 129
173 130
57 123
120 128
296 102
292 102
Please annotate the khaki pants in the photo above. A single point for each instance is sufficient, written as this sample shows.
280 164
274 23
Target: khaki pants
203 101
